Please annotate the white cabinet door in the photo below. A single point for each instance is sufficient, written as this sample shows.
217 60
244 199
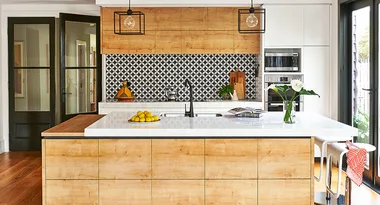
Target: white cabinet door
316 69
284 25
316 25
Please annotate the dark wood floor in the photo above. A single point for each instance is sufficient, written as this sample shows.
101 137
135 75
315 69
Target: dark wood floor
20 178
20 181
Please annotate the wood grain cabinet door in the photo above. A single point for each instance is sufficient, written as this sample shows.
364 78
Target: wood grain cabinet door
125 159
231 159
284 158
81 192
124 192
71 159
177 192
178 159
294 192
227 192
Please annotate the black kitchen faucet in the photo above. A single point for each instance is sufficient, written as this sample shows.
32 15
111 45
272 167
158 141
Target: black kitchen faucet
191 112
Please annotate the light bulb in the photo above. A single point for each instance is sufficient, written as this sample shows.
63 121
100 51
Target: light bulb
252 20
129 22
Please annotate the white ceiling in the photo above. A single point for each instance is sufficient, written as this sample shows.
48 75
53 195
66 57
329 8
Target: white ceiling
47 1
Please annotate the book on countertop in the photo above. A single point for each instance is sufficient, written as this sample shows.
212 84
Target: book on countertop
247 112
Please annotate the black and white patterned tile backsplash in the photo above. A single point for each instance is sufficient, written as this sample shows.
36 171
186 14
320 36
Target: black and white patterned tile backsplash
149 74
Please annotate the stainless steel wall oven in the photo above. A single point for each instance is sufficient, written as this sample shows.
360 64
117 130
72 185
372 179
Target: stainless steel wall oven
273 101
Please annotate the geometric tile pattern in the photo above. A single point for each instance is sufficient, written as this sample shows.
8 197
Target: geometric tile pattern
150 74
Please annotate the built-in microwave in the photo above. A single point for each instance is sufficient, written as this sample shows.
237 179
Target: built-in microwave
282 62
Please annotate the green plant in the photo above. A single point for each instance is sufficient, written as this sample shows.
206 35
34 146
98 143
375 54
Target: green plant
225 91
361 121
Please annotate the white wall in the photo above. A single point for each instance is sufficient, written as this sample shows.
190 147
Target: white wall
334 44
2 136
26 10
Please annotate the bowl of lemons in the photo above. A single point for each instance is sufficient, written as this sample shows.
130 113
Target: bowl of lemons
145 116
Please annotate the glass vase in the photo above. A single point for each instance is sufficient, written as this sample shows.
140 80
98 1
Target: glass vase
289 112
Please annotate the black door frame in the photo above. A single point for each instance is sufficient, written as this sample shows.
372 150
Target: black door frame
29 20
345 76
63 17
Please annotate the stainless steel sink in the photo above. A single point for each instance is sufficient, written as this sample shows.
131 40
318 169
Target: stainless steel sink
195 115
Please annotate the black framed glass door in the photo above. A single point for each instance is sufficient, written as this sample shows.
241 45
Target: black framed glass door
359 79
80 64
31 53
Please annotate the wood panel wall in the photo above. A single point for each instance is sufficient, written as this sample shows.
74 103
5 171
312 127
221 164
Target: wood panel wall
180 31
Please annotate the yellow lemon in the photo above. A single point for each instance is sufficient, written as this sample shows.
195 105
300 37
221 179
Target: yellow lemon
148 119
142 115
142 119
146 111
156 118
148 114
133 118
137 119
139 113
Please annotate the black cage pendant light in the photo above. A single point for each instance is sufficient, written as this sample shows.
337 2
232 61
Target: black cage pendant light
129 22
251 20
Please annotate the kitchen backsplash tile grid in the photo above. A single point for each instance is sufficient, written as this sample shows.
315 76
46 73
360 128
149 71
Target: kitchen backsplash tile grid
149 74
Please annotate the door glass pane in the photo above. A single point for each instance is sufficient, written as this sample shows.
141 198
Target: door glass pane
80 44
31 46
80 91
32 89
361 73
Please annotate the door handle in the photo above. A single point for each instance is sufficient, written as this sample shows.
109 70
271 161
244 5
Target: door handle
367 89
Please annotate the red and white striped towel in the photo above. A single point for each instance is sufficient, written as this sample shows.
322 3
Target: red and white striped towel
356 159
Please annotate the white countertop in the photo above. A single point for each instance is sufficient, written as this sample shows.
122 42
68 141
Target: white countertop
116 124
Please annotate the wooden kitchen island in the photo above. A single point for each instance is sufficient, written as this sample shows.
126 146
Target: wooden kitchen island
171 163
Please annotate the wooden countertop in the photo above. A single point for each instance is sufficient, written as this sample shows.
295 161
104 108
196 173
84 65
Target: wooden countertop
72 127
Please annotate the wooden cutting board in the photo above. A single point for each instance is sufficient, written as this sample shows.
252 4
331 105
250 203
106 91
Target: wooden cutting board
237 81
239 87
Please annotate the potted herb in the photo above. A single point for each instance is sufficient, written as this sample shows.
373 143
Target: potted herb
225 91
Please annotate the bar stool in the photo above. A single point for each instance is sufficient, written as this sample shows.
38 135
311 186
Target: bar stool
322 142
338 150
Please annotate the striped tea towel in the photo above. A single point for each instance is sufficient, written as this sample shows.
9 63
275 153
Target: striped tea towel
356 158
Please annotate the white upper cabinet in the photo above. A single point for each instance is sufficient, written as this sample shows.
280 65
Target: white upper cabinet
316 25
284 25
297 25
316 69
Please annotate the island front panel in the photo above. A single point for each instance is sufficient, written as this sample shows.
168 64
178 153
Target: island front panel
125 159
179 171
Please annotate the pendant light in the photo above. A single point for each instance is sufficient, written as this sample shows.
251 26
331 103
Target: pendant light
254 20
129 22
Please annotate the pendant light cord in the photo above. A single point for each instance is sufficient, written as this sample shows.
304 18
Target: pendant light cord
129 4
251 3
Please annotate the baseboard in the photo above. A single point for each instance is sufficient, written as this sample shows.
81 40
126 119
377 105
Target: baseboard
2 146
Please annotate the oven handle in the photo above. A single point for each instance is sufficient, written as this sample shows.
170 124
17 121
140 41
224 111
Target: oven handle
278 104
